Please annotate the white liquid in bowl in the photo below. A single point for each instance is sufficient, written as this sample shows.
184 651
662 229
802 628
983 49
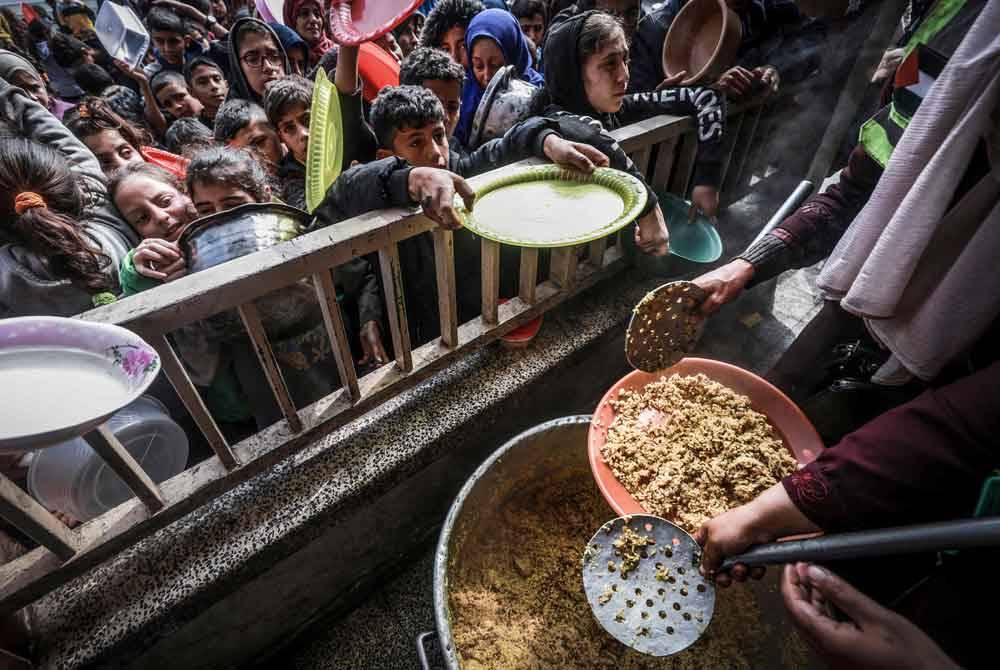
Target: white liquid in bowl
49 388
547 212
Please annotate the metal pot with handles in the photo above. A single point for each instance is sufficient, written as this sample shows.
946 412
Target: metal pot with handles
506 101
243 230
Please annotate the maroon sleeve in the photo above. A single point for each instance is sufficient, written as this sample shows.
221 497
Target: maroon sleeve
921 462
813 230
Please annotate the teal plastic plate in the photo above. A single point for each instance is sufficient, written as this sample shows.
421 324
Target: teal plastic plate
696 240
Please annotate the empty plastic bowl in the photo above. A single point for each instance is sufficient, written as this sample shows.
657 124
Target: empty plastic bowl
270 11
73 479
377 68
121 33
357 21
703 41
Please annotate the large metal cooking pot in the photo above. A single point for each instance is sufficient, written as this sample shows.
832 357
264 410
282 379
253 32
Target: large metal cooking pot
550 451
224 236
506 101
546 451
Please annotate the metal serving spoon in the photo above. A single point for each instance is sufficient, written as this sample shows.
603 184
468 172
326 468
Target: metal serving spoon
660 604
666 326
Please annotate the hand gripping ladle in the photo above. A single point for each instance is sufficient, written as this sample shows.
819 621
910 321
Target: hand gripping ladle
644 585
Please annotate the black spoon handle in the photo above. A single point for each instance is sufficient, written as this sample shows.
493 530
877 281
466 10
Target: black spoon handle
966 534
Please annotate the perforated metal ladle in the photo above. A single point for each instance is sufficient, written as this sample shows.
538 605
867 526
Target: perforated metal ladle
661 605
665 326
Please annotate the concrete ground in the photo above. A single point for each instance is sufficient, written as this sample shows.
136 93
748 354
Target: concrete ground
752 332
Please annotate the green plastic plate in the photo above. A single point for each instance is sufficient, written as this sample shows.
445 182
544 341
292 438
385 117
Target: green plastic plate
326 141
548 206
696 240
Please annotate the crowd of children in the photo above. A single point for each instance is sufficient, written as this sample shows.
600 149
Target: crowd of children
105 166
108 164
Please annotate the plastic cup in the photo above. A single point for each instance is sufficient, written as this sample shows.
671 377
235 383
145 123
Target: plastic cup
73 479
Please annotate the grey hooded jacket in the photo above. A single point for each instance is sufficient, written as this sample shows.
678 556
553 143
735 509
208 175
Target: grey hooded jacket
27 285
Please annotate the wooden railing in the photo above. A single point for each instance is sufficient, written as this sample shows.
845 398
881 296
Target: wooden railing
664 149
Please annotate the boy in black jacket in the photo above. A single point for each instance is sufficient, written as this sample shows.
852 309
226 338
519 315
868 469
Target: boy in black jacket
287 103
416 166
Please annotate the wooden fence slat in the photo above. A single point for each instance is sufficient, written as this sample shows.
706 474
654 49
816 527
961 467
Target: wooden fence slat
684 165
193 402
595 252
651 131
491 280
444 265
255 328
392 280
529 274
748 129
729 142
641 159
35 521
335 330
665 160
563 267
107 446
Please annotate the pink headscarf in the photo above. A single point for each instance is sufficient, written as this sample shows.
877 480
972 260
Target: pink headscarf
291 10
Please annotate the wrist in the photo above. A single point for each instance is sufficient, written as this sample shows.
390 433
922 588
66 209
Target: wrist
775 515
743 270
547 144
413 183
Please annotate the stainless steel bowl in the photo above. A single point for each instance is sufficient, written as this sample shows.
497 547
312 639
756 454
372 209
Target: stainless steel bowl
221 237
506 101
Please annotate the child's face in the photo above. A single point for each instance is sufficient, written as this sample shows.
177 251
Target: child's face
175 98
309 22
407 37
260 138
112 151
605 76
426 146
453 42
533 27
450 95
208 85
170 45
261 61
212 197
33 86
293 129
297 59
154 209
487 59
